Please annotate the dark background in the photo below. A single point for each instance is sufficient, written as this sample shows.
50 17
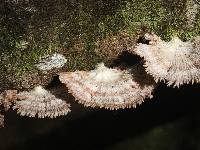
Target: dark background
168 121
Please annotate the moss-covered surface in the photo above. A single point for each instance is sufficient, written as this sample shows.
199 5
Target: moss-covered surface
75 28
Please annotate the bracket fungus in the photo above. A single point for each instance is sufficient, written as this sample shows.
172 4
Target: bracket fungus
41 103
106 87
6 99
1 116
176 61
1 120
9 96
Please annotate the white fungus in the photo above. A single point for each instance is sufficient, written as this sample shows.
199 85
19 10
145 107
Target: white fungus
106 87
41 103
176 61
51 62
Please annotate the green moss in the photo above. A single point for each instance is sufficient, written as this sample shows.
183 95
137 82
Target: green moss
165 18
194 30
56 26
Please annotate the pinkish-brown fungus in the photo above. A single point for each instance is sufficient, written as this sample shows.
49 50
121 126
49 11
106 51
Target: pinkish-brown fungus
176 61
1 120
41 103
106 87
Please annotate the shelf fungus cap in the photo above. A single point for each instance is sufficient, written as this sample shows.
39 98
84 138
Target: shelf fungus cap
176 62
41 103
1 116
1 120
7 98
106 88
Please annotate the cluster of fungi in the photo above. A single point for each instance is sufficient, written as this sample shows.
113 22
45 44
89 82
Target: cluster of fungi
175 62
